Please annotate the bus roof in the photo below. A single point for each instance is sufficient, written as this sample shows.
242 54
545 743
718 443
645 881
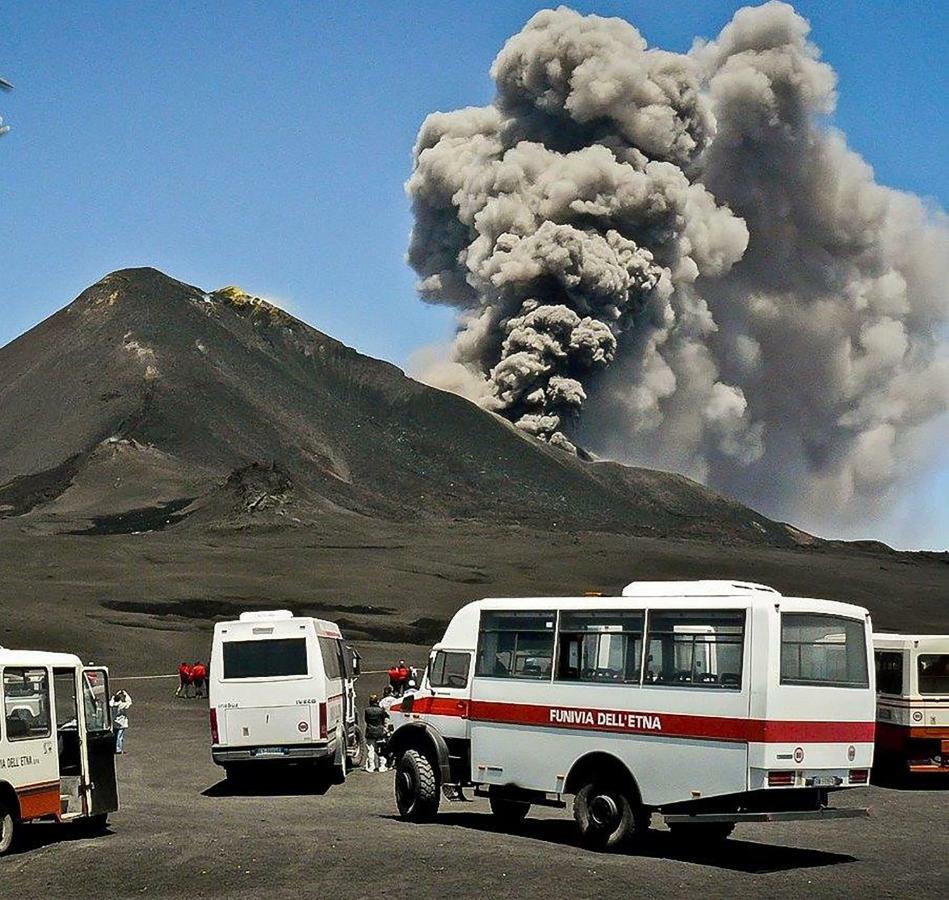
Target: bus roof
37 658
709 588
274 619
887 641
463 626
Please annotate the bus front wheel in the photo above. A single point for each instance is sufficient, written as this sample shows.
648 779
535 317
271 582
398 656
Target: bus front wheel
416 787
9 829
608 819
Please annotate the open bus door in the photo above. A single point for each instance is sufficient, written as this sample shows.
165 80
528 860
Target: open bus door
98 743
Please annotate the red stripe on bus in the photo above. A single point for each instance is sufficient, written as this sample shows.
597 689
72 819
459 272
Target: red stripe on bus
713 728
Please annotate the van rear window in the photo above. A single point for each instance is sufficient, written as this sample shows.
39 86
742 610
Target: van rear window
265 659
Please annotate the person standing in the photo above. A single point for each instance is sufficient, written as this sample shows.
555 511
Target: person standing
120 704
199 675
375 718
389 698
184 678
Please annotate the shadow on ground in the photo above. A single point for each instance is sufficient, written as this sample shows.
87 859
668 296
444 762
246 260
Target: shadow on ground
903 781
37 835
291 783
734 855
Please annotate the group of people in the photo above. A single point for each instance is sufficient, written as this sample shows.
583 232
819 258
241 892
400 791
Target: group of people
402 678
193 680
378 726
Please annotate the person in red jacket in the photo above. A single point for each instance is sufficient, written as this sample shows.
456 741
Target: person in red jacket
199 675
186 679
398 678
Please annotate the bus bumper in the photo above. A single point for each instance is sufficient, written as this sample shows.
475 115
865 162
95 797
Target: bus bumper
808 815
285 753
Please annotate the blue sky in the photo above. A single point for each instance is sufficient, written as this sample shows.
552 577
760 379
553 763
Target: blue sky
266 144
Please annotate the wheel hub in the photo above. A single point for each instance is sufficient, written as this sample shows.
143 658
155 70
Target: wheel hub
604 810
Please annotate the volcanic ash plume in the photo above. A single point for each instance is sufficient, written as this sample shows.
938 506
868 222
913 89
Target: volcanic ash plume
674 245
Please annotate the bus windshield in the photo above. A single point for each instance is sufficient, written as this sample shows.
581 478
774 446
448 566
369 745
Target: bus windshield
274 658
823 650
934 673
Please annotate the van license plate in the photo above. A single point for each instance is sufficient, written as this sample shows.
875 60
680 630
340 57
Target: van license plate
824 781
271 751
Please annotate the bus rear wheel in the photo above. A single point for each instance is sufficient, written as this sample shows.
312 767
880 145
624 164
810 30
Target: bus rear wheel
9 830
608 819
702 832
507 810
416 787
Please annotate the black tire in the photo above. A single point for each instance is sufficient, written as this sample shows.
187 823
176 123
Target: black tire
702 832
357 757
10 826
608 817
506 810
417 792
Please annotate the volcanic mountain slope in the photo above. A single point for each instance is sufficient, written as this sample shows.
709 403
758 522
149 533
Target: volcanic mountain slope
148 402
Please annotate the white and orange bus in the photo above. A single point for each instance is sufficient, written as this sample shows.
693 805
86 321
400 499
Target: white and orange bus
709 702
912 675
57 749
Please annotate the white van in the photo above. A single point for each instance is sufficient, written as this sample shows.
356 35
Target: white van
709 702
282 690
57 749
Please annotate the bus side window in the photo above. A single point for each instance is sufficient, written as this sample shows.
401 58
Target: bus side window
330 652
516 644
604 646
889 668
696 649
26 703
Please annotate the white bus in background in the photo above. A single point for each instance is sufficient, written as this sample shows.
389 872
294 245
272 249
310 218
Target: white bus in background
708 702
282 690
57 750
912 702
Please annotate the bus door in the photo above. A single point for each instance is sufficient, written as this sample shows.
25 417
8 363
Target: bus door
68 742
98 743
445 702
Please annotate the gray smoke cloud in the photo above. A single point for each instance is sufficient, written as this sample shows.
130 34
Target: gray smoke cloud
671 260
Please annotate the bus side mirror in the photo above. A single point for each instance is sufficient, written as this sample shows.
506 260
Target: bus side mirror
407 703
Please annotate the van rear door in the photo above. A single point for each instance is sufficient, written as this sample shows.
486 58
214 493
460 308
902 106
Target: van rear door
270 728
269 691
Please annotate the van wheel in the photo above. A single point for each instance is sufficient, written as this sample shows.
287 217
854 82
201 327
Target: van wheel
416 787
357 757
506 810
702 832
9 830
607 817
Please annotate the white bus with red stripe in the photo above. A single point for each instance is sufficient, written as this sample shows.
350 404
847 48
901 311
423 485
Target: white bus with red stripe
709 702
282 691
57 749
912 672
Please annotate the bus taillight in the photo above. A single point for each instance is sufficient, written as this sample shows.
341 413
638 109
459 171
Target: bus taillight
859 776
215 738
780 779
323 721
